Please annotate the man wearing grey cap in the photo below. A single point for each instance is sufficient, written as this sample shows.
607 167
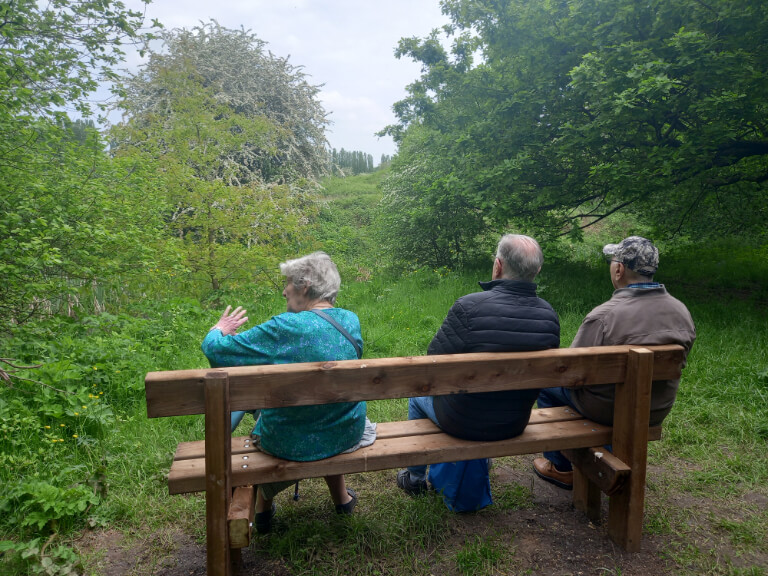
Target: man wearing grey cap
641 312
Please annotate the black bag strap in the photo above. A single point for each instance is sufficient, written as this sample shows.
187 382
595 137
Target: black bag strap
341 329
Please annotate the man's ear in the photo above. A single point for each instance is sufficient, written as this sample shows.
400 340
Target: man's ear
621 270
498 269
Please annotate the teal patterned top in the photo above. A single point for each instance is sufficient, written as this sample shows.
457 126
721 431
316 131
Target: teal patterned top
300 433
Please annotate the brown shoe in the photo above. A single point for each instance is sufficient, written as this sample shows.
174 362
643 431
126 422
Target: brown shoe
546 471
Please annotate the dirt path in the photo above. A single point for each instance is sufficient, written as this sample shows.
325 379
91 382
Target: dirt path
547 538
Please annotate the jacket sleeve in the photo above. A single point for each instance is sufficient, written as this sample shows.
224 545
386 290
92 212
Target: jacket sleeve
452 337
590 333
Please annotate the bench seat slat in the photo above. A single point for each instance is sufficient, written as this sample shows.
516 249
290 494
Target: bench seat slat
188 475
384 430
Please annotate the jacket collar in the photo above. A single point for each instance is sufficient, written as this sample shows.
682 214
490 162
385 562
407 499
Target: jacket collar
506 285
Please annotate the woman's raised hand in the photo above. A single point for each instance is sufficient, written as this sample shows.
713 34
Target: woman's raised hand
231 321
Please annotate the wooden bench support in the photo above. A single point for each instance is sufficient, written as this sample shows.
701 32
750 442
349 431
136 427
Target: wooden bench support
217 473
242 511
586 495
601 467
630 444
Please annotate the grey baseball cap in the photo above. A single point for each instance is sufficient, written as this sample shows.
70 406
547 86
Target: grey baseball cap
636 253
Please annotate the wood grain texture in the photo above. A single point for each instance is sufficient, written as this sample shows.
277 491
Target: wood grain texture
242 511
586 495
630 444
216 480
384 430
178 393
187 475
603 469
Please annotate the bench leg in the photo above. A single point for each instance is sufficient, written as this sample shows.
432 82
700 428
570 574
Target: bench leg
630 445
218 463
241 516
586 495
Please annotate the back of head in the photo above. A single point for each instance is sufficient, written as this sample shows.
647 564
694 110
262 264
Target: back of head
315 271
521 257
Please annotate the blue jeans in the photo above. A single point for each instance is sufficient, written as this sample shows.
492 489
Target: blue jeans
551 398
420 407
237 416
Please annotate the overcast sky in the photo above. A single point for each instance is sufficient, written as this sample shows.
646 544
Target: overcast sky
346 46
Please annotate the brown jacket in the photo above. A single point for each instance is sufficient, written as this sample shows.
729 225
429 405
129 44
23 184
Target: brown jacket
645 316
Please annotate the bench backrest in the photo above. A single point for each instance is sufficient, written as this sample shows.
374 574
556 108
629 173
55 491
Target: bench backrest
182 392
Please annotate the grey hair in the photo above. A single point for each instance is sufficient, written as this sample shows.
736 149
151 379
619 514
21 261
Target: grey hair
521 257
317 272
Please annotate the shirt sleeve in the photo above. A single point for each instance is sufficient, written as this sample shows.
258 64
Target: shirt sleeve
255 346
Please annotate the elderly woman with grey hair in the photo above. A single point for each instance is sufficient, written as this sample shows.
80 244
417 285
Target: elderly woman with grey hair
312 330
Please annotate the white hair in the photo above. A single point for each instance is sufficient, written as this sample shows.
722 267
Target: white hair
521 257
315 271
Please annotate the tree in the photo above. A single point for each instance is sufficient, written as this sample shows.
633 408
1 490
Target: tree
554 115
53 56
356 161
251 82
227 222
61 208
423 216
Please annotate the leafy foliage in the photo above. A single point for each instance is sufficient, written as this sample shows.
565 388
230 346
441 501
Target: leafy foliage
72 225
242 76
236 136
555 115
226 223
63 212
53 54
425 216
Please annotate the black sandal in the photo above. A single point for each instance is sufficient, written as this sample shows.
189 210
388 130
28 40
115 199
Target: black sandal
349 506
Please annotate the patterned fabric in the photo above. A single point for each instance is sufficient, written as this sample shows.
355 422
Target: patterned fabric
636 253
644 285
301 433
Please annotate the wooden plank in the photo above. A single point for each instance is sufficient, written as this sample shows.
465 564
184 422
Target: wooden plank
630 445
187 478
384 430
217 473
586 495
242 511
176 393
602 468
188 475
196 448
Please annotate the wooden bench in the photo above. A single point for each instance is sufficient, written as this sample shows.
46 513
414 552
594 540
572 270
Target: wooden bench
227 468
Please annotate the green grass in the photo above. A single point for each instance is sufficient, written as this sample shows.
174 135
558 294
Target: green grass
478 556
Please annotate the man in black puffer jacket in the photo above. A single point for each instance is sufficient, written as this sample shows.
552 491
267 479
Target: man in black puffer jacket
506 317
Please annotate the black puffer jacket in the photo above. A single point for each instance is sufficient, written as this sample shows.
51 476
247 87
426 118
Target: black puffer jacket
506 317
